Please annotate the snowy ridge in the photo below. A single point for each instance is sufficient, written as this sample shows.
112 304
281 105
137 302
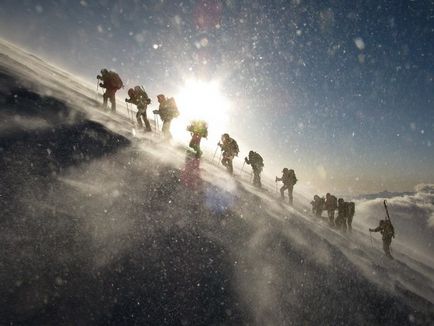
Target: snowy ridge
101 227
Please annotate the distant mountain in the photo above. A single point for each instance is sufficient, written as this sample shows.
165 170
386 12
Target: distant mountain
383 194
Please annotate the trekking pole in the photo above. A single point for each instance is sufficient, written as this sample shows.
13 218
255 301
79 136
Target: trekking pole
157 122
242 168
215 153
251 176
131 114
97 84
128 111
370 235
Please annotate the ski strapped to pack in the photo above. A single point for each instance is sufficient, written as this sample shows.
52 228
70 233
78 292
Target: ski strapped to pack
387 211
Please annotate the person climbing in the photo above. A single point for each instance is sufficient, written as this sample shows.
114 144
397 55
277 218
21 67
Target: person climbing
331 204
289 180
340 221
351 210
388 232
139 98
230 149
167 111
317 205
112 83
257 163
198 130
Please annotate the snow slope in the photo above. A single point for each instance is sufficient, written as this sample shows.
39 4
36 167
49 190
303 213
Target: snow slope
100 227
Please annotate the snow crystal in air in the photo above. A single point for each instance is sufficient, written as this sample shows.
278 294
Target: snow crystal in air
359 43
204 42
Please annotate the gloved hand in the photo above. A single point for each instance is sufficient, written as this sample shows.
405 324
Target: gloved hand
98 77
277 179
101 85
246 160
126 100
371 230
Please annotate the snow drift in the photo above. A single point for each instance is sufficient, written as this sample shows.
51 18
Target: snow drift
100 227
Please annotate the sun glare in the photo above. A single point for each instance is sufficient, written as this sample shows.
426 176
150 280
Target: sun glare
204 101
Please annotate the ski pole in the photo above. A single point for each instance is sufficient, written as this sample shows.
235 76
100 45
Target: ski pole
370 235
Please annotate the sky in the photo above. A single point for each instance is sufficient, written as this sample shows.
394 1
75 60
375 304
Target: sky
341 91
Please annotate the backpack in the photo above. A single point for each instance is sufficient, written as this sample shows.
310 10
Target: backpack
199 127
351 209
333 202
115 81
258 159
321 204
234 147
141 94
294 179
172 108
387 229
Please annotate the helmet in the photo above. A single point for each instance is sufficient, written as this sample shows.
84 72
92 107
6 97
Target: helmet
225 136
251 153
285 170
131 92
104 71
340 200
328 194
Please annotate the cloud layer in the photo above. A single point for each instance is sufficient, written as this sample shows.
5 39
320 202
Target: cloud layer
411 214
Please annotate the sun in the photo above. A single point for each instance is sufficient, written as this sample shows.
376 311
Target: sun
201 100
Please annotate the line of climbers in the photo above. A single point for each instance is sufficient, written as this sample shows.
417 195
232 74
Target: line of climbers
168 110
344 218
346 211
